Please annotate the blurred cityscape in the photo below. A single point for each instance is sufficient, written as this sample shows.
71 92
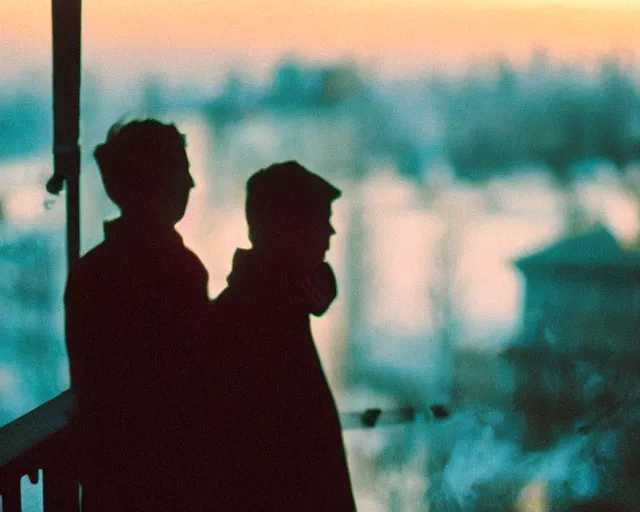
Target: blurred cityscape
453 186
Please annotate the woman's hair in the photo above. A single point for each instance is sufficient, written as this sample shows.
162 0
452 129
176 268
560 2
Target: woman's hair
137 158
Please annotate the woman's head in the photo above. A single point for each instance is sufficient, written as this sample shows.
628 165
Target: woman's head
288 211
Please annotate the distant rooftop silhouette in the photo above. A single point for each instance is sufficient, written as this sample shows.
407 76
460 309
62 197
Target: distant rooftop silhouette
596 248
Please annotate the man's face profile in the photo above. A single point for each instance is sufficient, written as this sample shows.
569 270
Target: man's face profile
177 188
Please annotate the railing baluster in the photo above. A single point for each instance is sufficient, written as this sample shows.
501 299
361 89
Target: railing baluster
61 491
11 496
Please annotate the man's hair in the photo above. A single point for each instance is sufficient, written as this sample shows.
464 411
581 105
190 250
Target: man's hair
286 196
137 157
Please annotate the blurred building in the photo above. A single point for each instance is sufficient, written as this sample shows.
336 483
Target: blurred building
581 278
329 118
32 279
326 142
581 313
32 273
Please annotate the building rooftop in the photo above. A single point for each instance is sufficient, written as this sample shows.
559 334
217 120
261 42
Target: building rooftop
597 248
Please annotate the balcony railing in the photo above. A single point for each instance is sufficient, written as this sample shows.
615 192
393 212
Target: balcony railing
41 440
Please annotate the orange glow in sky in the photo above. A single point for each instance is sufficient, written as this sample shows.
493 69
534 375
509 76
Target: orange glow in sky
401 33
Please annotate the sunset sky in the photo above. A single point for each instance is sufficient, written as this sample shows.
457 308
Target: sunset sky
398 35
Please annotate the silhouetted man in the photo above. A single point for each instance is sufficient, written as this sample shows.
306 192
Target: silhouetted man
281 446
131 306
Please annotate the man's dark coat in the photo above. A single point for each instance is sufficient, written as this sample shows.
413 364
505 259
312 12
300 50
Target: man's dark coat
132 304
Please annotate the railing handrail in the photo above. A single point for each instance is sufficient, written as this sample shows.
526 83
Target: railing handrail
376 417
41 439
25 438
28 442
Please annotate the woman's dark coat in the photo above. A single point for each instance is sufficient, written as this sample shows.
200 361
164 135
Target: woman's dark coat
280 446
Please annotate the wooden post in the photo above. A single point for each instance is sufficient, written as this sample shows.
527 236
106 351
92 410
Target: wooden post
11 496
66 114
61 490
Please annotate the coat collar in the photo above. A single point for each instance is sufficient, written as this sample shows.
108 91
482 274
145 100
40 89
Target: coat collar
137 232
274 280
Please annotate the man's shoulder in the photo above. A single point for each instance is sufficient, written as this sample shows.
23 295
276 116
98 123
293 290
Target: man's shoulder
90 262
227 301
110 254
192 261
234 296
233 303
86 273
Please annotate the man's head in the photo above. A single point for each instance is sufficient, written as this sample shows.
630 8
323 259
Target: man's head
288 211
145 170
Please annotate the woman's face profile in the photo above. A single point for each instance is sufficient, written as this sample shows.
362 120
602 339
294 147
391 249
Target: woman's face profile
306 247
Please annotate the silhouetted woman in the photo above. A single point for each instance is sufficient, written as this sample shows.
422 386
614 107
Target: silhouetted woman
279 442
